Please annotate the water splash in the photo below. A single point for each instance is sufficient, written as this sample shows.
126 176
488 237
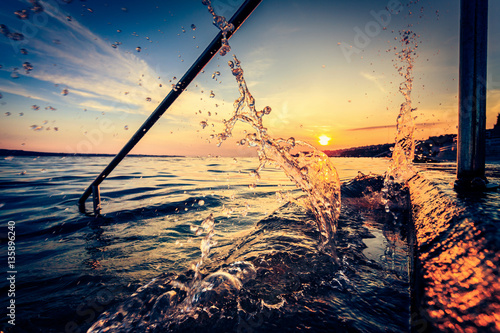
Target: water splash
404 150
201 292
206 226
401 168
310 169
224 26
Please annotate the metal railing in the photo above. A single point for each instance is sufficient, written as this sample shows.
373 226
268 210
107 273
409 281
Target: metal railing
237 20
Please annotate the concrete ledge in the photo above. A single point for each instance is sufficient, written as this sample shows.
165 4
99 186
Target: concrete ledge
455 283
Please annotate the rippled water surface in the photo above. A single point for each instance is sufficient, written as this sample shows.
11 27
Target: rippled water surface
72 267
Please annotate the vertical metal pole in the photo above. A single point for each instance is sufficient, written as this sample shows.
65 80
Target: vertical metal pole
96 193
472 95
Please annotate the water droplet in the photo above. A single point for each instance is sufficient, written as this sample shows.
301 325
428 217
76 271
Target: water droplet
27 67
36 128
35 107
193 27
69 18
201 202
22 14
215 74
23 51
225 48
138 49
65 92
7 113
9 158
212 95
148 99
255 173
203 124
125 127
22 172
21 114
1 96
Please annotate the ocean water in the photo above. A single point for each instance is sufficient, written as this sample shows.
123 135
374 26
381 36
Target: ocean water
72 268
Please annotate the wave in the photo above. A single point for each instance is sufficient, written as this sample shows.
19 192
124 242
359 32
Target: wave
273 277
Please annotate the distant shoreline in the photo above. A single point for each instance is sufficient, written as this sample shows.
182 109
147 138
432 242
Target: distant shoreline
15 152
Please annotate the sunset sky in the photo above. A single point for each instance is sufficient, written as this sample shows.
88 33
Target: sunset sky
90 83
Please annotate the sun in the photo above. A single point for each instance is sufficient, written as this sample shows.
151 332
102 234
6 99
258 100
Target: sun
323 140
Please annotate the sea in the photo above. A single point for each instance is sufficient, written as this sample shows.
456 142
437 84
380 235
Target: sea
135 267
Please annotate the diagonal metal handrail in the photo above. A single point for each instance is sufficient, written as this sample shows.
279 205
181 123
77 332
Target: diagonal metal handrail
237 20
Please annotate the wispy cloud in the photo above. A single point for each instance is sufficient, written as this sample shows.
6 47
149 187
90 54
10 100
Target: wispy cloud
10 87
374 79
91 68
420 125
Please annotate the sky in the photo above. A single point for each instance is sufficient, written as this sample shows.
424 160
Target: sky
78 82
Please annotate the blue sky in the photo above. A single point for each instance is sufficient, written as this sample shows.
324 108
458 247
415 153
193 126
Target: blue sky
293 54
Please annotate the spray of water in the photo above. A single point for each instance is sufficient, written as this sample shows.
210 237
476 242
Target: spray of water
309 169
401 168
206 226
404 150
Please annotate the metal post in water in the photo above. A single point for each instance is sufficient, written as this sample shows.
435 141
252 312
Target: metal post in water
471 143
237 20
